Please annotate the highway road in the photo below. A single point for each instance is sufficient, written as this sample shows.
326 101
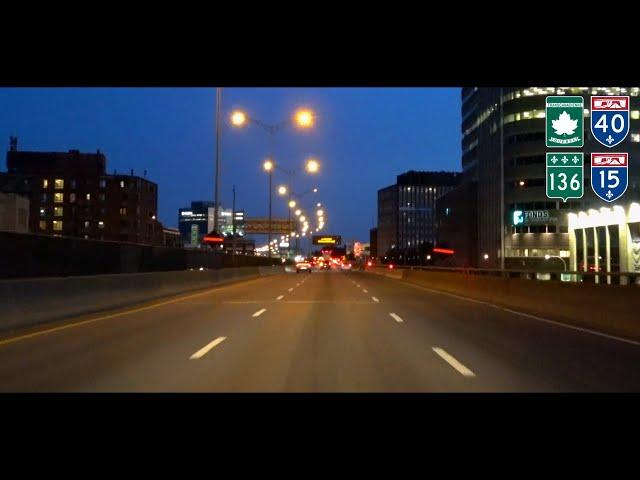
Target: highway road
318 332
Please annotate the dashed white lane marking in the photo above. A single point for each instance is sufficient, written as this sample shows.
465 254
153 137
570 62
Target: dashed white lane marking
453 362
396 317
203 351
357 285
259 312
291 289
364 291
280 297
375 299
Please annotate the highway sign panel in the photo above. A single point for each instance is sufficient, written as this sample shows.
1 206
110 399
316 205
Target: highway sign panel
610 119
564 121
565 175
609 175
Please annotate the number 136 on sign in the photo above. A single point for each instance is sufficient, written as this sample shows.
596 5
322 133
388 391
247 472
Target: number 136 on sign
565 175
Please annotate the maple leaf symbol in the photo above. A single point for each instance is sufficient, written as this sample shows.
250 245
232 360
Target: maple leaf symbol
564 124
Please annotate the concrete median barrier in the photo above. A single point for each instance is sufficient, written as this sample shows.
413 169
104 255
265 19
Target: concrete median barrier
611 309
28 302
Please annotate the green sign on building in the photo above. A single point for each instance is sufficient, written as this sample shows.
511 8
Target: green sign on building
564 121
565 175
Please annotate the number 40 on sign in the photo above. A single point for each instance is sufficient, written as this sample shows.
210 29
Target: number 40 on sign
565 175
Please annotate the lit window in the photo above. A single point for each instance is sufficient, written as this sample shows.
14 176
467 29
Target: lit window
635 137
72 198
57 225
123 211
100 224
45 183
43 225
58 183
103 183
635 114
57 211
88 197
58 197
121 183
565 253
86 224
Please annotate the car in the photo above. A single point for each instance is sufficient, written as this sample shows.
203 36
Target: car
345 266
303 267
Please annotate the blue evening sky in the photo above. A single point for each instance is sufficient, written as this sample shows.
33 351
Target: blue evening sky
363 138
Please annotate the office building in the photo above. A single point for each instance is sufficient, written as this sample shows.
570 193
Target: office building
373 242
70 194
503 152
407 213
196 221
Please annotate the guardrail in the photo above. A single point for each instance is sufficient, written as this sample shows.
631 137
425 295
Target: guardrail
603 277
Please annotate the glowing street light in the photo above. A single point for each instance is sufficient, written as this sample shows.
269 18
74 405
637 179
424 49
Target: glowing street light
304 118
315 190
312 166
282 190
320 213
318 204
298 212
238 118
303 218
267 165
292 204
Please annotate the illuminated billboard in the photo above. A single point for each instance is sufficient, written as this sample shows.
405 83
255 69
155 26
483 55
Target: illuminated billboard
327 239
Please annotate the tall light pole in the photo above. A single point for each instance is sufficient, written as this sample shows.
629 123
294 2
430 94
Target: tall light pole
302 118
217 180
268 167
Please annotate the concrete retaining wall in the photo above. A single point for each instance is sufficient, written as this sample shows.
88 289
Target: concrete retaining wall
612 309
34 301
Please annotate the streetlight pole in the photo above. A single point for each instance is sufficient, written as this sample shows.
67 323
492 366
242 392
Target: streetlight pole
270 196
217 181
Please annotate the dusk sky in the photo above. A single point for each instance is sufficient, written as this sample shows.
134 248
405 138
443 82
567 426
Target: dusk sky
363 138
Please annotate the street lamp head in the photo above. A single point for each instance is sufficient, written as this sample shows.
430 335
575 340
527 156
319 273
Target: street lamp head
318 204
267 165
292 204
282 190
238 118
304 118
315 190
313 166
303 218
298 212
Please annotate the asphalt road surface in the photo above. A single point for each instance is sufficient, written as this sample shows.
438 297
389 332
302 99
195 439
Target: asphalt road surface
318 332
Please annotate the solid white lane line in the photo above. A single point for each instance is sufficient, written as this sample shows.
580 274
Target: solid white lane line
203 351
259 312
357 285
280 297
297 284
364 291
453 362
533 317
396 317
375 299
291 289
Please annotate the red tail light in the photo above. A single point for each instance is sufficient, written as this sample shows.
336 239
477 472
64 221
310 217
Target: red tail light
369 264
390 266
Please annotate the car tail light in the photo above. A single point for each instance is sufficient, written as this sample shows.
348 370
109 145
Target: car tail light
390 266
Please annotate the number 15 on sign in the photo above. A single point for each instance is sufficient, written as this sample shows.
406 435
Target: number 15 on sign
565 175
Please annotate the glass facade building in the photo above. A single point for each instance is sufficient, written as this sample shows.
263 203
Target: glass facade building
503 150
